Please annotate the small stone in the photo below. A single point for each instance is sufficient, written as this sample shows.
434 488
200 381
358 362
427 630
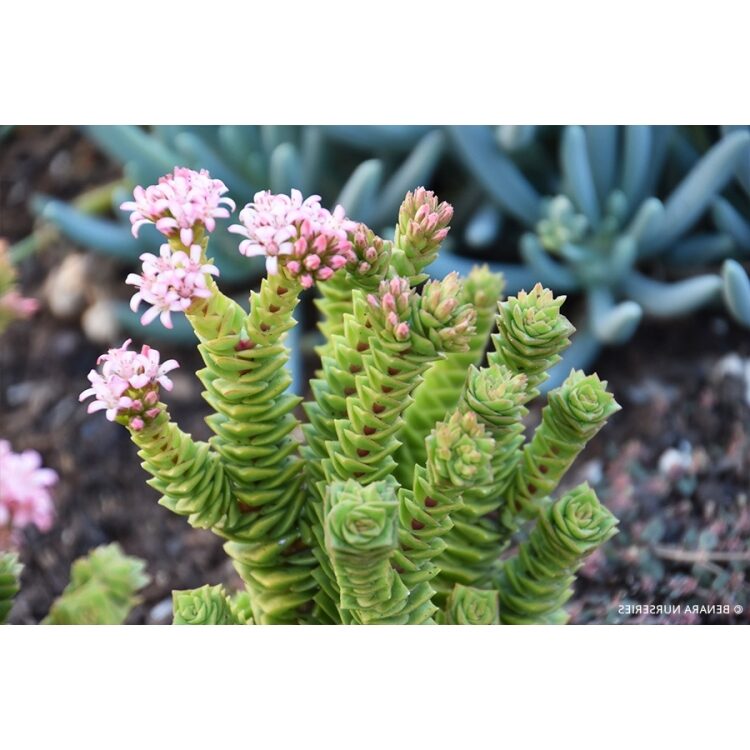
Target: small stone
99 322
734 366
65 288
161 613
674 463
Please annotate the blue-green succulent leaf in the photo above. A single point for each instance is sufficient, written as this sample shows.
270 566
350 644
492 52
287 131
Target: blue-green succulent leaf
695 193
636 163
612 323
700 249
101 235
665 300
285 169
416 171
378 137
601 142
504 182
515 137
361 189
484 226
198 152
730 220
736 291
646 223
237 141
577 173
548 272
149 157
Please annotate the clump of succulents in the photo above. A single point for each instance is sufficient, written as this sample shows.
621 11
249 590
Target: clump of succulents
102 590
329 524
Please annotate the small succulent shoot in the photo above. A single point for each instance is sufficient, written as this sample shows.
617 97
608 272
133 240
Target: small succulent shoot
334 529
423 224
372 256
207 605
391 309
102 590
458 452
496 394
441 311
470 606
531 334
535 583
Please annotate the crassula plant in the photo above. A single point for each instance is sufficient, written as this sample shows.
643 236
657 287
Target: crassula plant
371 510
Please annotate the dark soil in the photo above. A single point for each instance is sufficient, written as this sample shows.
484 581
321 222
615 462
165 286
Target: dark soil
678 525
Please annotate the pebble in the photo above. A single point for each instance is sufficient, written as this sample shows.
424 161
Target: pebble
99 322
65 288
161 613
674 463
733 366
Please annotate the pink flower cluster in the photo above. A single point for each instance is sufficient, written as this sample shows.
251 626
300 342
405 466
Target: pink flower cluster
390 308
128 385
170 282
310 240
180 203
24 490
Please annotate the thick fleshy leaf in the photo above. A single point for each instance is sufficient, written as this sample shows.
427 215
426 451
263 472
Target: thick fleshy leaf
736 291
504 182
577 173
665 300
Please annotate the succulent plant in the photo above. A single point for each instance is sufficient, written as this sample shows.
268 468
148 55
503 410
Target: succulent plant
322 521
102 589
600 225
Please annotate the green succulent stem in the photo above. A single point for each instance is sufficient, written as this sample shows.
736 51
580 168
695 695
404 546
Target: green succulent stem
535 583
188 474
458 456
361 536
10 582
247 385
485 523
575 412
441 386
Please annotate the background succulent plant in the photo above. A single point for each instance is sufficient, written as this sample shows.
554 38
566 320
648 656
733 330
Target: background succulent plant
599 224
102 590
